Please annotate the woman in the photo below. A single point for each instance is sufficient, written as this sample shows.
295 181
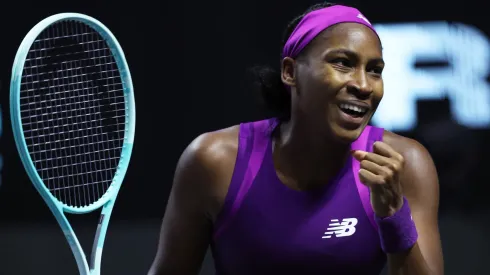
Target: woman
315 190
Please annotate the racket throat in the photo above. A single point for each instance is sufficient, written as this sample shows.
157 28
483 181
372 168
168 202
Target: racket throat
96 255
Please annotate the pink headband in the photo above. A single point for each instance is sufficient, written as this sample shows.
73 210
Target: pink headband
316 21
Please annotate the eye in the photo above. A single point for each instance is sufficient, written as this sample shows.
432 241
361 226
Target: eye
344 62
378 70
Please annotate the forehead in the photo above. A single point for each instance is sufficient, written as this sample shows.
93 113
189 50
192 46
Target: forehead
351 36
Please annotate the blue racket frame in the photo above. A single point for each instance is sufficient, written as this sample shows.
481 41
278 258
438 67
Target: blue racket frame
107 200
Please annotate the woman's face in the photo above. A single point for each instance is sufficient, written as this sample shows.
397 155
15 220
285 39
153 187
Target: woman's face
336 82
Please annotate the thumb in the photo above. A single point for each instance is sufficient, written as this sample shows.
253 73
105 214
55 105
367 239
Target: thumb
359 154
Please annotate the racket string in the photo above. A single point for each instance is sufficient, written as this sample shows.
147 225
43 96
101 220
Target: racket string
62 148
61 78
27 76
73 112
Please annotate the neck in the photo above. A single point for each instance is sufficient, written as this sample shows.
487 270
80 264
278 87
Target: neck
306 158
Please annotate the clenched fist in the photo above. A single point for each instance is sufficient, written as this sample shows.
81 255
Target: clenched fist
380 171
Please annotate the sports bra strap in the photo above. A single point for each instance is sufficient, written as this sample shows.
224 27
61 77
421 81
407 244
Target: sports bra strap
365 142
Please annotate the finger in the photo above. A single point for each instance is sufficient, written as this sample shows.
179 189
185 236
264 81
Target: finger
359 154
369 179
386 150
373 157
376 169
390 164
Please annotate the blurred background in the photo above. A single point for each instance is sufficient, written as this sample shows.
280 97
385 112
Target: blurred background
189 60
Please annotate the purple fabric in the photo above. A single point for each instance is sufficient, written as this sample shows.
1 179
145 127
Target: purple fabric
362 144
266 227
315 22
398 232
373 134
252 156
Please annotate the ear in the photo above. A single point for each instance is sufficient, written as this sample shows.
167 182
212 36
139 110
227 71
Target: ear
288 71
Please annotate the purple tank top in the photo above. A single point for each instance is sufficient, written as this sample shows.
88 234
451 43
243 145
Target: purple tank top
267 228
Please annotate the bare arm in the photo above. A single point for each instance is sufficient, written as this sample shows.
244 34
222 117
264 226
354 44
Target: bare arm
421 188
194 201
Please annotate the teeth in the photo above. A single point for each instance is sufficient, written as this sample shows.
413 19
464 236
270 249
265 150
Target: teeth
353 108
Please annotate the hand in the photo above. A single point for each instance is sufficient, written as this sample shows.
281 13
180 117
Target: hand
380 171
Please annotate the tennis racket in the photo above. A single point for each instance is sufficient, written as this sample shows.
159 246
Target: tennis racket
73 118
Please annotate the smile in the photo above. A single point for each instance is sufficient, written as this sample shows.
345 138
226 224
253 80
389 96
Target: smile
353 110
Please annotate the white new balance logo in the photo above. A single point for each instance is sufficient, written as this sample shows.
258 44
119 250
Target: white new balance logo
363 18
343 229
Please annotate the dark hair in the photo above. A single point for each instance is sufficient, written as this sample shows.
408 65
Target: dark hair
274 94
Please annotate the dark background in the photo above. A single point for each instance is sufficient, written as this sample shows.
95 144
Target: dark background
188 61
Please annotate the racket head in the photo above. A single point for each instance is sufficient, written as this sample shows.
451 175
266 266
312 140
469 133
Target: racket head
129 117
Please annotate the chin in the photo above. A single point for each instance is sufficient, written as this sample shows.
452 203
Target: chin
345 135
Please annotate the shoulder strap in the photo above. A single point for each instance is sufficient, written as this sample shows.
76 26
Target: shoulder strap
365 142
252 145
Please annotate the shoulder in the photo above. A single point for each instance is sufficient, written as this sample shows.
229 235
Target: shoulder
219 148
209 154
212 148
205 168
419 169
409 148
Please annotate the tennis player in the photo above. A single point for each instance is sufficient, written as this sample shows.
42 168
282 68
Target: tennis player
315 189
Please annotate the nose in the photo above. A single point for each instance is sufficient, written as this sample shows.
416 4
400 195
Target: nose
359 85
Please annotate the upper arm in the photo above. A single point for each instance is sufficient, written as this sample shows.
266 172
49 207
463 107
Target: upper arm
188 220
421 188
